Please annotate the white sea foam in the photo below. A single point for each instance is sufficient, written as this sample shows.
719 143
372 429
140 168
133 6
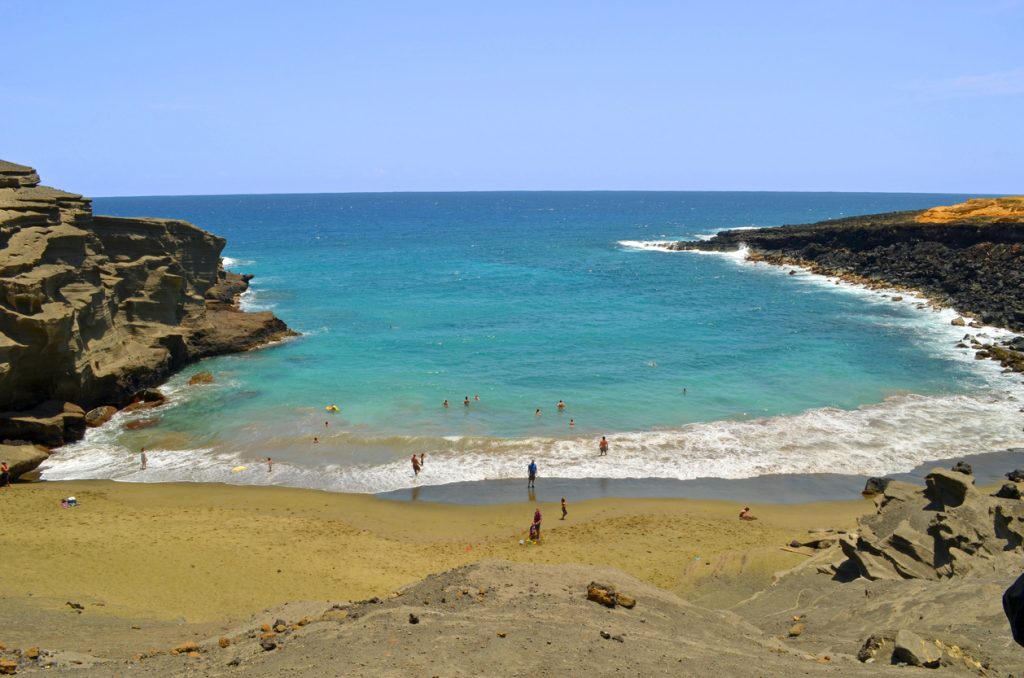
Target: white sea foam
890 437
231 262
249 301
652 245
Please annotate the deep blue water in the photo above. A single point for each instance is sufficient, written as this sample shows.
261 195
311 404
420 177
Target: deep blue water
693 365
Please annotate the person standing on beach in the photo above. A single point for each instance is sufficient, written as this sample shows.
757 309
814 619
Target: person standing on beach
532 471
5 475
142 458
270 464
415 465
603 447
565 511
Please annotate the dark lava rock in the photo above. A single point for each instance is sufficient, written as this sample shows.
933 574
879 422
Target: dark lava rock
1016 475
1008 491
875 486
963 467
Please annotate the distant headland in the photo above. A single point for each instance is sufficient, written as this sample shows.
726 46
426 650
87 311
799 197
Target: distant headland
968 257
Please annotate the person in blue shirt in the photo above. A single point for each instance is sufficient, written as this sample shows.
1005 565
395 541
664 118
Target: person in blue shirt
532 469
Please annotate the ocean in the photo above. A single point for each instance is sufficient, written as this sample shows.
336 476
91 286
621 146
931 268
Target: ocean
693 365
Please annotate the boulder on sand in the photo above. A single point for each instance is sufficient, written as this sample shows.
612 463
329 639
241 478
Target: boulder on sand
875 486
963 467
912 649
52 423
23 458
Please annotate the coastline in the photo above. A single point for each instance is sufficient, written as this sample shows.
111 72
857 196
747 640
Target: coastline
784 489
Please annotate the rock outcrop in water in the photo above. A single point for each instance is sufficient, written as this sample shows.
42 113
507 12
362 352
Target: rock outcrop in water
968 257
94 309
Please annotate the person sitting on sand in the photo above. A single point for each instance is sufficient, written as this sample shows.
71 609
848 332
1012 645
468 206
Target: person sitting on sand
746 515
415 465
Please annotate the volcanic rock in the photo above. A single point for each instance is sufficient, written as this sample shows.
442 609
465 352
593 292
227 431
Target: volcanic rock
912 649
23 458
99 415
970 259
93 309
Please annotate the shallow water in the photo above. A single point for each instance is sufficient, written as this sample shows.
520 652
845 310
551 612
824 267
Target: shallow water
693 365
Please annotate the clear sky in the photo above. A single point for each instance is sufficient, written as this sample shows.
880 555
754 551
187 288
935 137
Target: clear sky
181 97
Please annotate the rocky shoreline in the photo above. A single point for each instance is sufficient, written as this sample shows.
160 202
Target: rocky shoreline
968 257
95 311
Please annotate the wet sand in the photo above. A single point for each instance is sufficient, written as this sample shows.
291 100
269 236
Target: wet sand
768 489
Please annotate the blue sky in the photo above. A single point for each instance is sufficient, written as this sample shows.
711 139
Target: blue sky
147 98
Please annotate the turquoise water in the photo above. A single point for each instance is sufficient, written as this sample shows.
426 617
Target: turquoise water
692 364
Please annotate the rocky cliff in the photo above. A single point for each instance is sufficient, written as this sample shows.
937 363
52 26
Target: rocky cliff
968 257
95 309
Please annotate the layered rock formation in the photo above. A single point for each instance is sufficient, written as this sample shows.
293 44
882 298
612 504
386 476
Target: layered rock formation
968 257
949 529
93 309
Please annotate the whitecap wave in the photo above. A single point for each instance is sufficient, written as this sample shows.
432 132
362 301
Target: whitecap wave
891 437
231 262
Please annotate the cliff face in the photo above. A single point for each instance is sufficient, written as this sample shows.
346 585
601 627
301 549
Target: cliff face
93 309
973 263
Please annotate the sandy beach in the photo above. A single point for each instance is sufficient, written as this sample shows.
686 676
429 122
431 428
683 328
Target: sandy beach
198 554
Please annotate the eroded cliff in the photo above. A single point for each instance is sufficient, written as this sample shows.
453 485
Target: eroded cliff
94 309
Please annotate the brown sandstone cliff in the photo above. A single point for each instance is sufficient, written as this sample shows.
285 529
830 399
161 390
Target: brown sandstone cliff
94 309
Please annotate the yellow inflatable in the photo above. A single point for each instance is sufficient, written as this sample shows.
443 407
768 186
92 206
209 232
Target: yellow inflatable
238 469
332 408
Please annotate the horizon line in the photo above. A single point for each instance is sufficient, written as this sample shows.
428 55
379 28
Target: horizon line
549 190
